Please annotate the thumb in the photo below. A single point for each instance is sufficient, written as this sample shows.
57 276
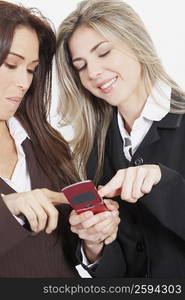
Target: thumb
111 204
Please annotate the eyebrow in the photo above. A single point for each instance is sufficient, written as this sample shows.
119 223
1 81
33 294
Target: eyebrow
22 57
92 50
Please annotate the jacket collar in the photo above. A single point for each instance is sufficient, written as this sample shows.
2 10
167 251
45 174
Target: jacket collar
170 121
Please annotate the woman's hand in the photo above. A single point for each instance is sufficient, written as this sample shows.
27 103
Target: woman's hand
132 183
96 230
37 206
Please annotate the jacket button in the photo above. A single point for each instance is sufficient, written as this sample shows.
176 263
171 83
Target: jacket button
138 161
140 247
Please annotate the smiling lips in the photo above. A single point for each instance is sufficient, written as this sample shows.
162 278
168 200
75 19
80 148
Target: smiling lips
107 85
14 99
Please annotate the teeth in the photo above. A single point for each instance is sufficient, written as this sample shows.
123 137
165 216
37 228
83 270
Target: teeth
109 83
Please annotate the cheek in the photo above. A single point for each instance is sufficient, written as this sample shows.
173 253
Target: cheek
133 73
137 72
84 81
29 83
5 78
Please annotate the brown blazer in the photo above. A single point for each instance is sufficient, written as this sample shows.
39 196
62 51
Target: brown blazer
25 254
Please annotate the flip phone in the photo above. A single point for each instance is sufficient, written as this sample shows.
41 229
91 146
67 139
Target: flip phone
83 196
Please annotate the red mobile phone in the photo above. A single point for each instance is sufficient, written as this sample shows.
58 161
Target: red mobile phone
83 196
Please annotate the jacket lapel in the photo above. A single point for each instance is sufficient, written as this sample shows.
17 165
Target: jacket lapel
170 121
151 137
115 145
38 178
5 188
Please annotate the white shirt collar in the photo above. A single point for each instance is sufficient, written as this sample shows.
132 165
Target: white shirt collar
18 133
20 180
156 108
158 102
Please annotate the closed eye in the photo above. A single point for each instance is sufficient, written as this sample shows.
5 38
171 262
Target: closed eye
31 71
104 54
84 66
9 66
80 68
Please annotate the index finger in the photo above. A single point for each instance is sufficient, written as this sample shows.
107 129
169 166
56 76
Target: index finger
57 198
113 187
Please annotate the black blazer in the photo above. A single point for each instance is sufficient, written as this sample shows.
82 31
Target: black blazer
151 235
24 254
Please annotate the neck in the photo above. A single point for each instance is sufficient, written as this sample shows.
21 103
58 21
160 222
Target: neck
131 108
5 136
4 132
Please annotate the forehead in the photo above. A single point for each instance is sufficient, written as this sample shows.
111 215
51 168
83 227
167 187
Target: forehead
84 39
25 42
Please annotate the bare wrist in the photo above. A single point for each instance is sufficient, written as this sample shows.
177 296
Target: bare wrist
93 251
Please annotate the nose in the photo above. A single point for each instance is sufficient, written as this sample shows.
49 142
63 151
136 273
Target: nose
23 80
94 70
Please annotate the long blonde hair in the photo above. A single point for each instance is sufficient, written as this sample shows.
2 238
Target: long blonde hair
90 116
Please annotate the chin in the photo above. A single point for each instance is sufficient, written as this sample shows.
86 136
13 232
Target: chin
112 102
6 117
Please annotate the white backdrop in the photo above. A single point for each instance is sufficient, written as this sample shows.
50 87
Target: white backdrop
164 20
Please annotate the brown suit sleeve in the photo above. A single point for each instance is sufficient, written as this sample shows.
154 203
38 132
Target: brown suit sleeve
11 232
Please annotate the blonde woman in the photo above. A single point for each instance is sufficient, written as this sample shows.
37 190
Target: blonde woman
129 129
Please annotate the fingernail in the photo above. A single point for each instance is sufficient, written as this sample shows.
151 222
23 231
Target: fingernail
114 213
88 214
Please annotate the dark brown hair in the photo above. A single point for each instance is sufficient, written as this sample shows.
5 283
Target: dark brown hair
51 149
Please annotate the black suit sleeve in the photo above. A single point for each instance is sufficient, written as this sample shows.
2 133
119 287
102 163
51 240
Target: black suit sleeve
111 265
69 239
166 201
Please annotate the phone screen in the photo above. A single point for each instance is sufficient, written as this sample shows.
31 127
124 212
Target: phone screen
83 196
